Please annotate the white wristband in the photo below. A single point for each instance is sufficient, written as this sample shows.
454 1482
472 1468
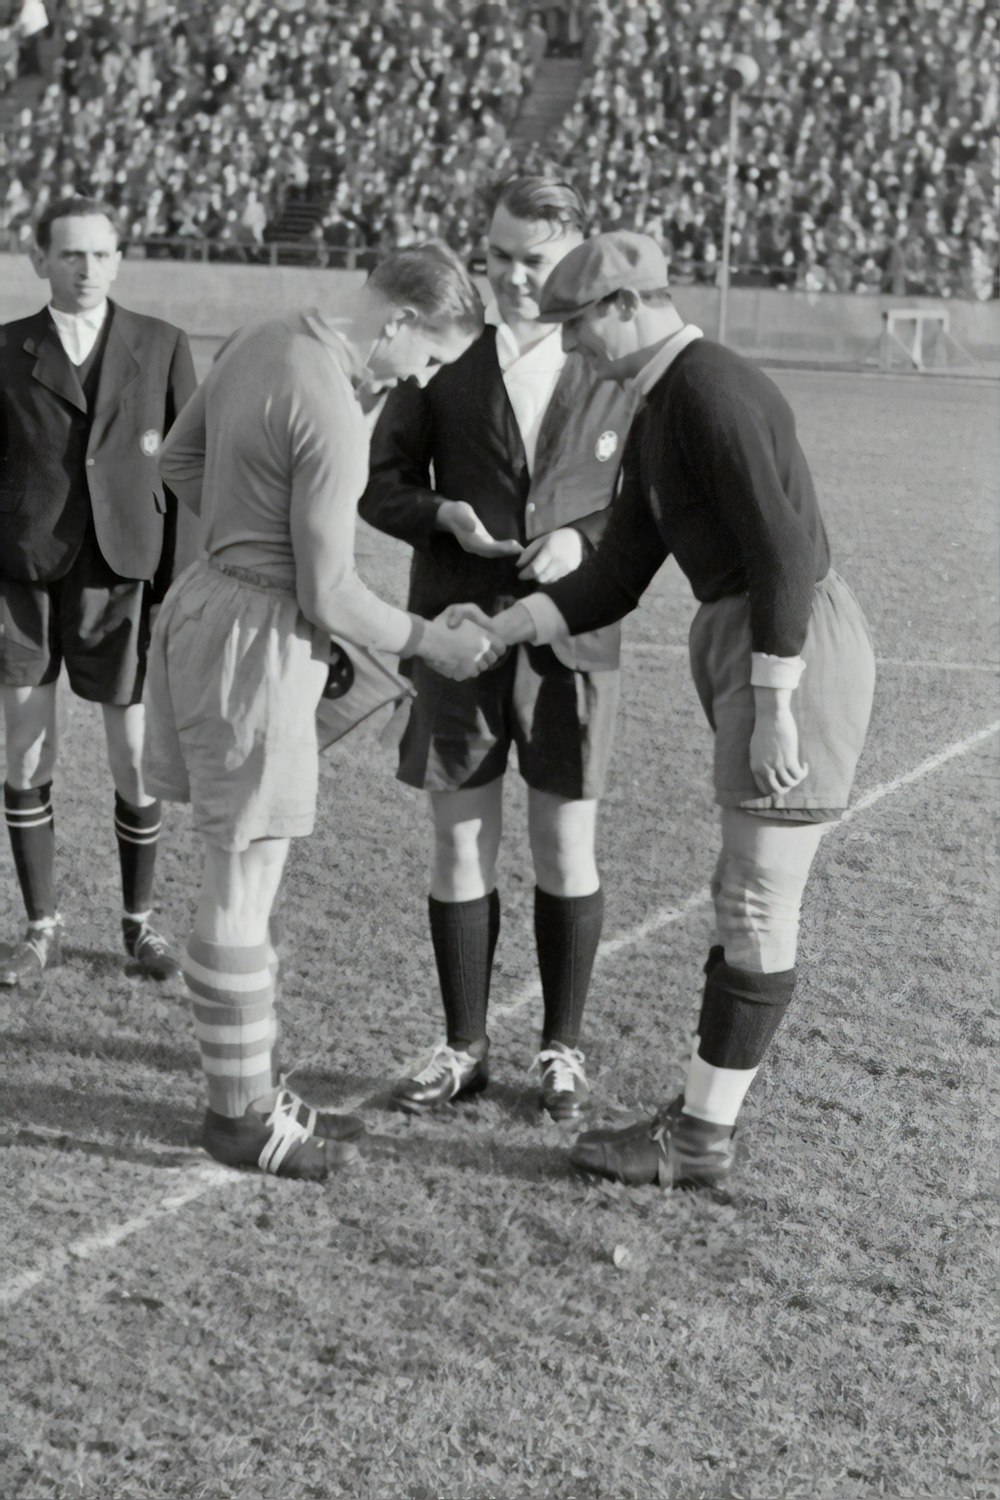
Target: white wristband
775 671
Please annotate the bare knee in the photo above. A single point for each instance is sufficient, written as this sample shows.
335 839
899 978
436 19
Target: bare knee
31 737
467 830
238 892
562 834
757 914
124 728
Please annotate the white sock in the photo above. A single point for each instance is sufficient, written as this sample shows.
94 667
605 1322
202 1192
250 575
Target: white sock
715 1094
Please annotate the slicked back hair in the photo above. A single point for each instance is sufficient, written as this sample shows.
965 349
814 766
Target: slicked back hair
540 200
432 280
72 208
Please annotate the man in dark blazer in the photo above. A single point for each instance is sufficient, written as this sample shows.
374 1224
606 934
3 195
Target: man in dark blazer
498 474
87 540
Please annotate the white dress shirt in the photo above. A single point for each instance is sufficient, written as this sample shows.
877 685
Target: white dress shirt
79 332
529 377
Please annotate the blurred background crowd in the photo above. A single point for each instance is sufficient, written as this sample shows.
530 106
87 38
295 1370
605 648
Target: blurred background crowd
327 133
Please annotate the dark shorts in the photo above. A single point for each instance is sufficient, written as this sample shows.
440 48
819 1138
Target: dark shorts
91 619
459 733
832 703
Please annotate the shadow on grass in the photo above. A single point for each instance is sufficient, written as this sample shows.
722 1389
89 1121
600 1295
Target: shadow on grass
128 1049
107 963
68 1118
484 1156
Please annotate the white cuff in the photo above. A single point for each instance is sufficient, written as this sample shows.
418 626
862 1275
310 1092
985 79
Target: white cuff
775 671
547 619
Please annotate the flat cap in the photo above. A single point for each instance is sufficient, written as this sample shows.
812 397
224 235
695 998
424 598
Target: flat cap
597 269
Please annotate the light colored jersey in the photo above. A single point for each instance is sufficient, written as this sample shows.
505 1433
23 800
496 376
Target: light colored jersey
276 424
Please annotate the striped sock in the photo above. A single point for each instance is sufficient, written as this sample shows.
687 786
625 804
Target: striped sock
232 996
31 826
137 830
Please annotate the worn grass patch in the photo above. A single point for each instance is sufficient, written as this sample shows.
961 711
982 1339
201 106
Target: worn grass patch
459 1317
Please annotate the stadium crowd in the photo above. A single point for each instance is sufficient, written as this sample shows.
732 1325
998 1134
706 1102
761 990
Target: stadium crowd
867 159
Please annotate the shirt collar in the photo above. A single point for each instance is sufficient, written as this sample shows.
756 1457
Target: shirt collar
92 317
508 349
642 383
340 349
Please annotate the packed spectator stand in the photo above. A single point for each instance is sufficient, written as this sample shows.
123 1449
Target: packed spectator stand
326 133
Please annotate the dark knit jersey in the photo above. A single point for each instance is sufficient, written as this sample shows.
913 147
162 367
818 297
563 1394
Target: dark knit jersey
713 474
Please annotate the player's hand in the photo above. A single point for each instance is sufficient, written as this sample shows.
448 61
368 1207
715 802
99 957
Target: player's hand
460 651
774 744
459 518
551 557
513 626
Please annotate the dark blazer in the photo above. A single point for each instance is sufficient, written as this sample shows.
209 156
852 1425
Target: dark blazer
460 431
59 462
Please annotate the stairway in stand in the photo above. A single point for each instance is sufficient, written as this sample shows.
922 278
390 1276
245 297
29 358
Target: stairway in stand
556 82
293 227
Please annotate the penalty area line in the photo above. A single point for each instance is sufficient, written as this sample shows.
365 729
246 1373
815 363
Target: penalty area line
197 1183
203 1180
668 916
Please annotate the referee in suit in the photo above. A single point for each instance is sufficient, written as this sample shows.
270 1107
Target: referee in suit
498 474
87 535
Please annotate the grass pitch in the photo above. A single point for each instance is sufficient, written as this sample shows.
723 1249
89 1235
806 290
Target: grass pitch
459 1318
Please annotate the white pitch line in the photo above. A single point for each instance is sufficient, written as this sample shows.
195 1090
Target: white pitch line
668 916
925 768
196 1183
203 1180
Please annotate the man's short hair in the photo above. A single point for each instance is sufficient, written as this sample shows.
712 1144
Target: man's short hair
539 200
72 208
432 280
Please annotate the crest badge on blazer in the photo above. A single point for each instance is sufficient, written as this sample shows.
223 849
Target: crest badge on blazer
150 442
606 446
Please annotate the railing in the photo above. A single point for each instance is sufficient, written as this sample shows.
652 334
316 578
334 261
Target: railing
317 255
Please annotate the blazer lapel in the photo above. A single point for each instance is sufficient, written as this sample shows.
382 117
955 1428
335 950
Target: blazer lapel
119 368
510 433
53 367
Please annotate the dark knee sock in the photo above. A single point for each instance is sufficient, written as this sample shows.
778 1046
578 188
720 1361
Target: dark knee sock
567 932
464 935
740 1012
33 841
137 830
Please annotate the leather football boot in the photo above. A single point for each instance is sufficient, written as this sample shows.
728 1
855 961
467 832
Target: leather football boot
447 1075
673 1149
23 964
564 1083
151 951
287 1142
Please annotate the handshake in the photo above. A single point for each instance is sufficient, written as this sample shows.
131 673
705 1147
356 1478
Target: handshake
464 641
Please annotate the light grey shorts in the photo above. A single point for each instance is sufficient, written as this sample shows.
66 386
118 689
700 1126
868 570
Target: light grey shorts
832 703
235 673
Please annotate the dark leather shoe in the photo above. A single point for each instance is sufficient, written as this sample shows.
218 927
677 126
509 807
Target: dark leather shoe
674 1149
23 964
565 1090
285 1142
448 1074
151 951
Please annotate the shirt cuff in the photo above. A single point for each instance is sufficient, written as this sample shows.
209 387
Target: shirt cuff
415 639
775 671
547 619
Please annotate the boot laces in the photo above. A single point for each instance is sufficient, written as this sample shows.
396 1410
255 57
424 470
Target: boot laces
561 1067
442 1061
